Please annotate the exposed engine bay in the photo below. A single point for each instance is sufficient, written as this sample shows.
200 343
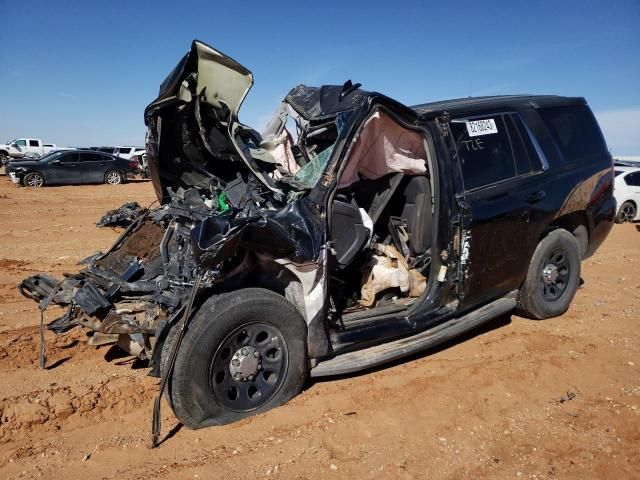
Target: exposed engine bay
331 206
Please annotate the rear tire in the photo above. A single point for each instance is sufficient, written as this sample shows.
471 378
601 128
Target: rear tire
243 353
553 277
626 213
33 179
113 177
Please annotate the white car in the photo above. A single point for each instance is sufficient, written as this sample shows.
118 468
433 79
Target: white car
627 193
128 152
25 148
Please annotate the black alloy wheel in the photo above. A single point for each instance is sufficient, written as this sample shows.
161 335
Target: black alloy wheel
555 275
249 367
244 352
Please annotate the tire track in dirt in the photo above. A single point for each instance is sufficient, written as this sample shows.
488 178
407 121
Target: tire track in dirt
61 408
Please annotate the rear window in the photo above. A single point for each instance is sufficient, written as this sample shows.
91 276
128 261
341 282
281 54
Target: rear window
633 179
493 148
575 131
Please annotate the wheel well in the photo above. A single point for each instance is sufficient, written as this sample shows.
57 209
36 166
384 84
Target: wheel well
575 223
628 201
253 271
29 172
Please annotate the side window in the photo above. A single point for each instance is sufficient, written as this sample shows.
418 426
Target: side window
520 153
69 158
575 131
484 150
87 157
633 179
21 143
33 143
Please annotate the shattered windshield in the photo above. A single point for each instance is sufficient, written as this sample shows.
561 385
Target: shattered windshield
298 149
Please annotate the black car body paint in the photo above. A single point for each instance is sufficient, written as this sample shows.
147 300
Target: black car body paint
223 214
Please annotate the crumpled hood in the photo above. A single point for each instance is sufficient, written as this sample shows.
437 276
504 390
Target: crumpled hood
217 76
190 123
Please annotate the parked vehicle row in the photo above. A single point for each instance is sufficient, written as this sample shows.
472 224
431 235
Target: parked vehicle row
26 148
72 167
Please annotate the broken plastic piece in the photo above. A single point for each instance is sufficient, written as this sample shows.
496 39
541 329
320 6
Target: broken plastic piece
123 216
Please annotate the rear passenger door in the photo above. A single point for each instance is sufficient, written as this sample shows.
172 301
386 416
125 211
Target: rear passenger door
501 174
92 165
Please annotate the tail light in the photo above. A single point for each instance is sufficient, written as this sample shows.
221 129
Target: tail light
133 164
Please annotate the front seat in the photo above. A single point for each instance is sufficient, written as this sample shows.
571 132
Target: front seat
417 211
349 235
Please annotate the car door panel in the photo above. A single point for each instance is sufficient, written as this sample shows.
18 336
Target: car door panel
92 167
64 169
501 188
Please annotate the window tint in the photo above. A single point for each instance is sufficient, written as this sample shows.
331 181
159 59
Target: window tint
21 143
124 150
520 153
88 157
33 143
633 179
68 157
485 158
575 132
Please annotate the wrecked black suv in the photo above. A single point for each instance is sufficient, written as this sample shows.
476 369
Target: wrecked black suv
352 231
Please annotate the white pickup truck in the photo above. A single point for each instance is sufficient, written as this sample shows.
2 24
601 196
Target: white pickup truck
25 148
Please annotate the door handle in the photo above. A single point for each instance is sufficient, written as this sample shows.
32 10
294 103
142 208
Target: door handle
536 196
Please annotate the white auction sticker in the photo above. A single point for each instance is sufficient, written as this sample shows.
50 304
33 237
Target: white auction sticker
481 127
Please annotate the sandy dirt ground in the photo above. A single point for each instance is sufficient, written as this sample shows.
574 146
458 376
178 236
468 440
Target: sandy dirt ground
518 399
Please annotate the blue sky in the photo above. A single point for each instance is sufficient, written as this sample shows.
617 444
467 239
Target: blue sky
81 73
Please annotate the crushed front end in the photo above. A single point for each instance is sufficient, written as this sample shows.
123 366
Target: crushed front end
236 209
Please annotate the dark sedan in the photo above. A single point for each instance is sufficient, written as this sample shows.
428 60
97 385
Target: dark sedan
72 167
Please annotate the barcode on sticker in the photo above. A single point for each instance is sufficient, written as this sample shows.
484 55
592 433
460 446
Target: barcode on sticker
481 127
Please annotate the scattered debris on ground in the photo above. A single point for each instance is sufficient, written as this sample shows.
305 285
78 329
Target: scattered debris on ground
122 216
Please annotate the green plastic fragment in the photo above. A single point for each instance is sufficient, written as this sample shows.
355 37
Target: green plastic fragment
222 202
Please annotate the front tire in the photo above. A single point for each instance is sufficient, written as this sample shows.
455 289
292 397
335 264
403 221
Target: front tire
113 177
244 353
553 277
627 213
33 179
